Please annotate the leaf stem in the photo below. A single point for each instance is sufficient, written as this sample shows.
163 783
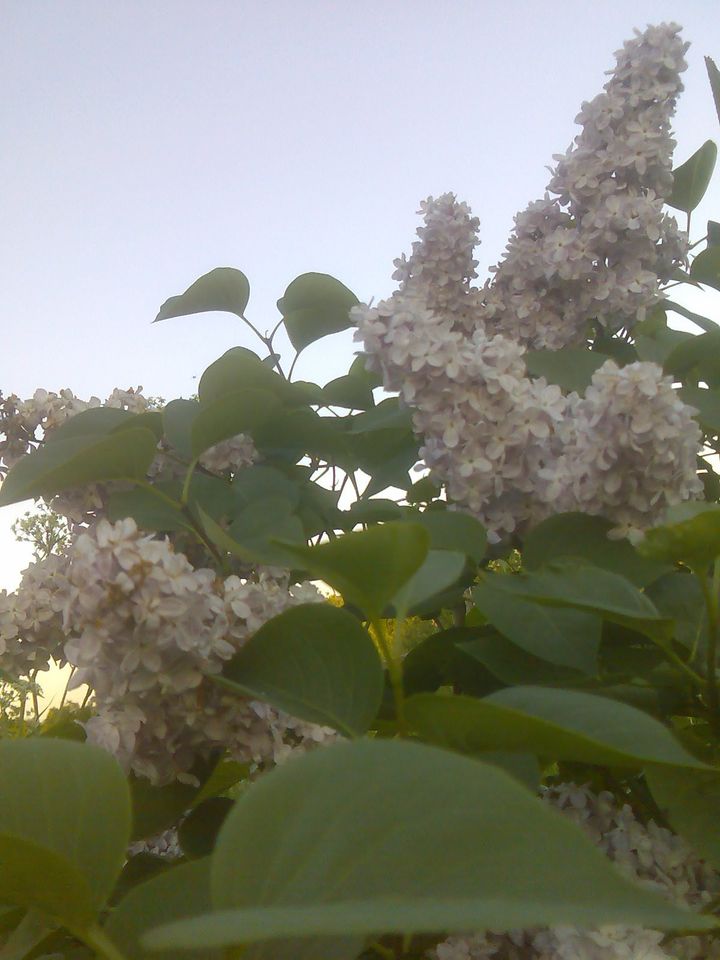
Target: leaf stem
394 671
710 594
96 938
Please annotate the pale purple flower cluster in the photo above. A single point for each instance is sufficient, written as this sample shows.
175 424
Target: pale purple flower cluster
509 448
598 248
646 853
146 632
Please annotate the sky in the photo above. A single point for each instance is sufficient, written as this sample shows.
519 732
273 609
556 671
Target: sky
145 143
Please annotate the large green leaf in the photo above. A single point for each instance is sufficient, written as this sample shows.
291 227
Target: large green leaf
439 571
387 415
697 357
370 566
512 665
348 391
258 529
57 466
64 813
690 535
453 530
36 877
224 288
707 403
558 724
579 535
690 799
316 662
315 305
237 369
178 417
96 422
706 268
388 836
183 891
242 411
571 368
585 587
149 511
691 179
560 635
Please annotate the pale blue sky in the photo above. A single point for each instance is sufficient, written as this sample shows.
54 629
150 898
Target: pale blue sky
145 143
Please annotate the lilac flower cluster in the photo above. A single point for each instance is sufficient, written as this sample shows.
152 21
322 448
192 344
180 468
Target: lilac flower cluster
509 448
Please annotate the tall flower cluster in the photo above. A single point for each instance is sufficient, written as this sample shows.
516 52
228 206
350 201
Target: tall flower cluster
509 448
596 250
647 853
146 631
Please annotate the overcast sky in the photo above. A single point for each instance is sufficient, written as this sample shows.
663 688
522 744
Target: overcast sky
145 143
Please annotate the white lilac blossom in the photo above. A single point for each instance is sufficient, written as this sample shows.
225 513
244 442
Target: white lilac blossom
511 449
647 853
31 633
146 632
232 454
634 448
597 249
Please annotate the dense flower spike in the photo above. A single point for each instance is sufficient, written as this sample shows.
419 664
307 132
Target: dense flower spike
511 449
146 631
647 853
597 250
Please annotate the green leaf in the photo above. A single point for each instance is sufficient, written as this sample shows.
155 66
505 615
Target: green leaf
94 422
63 895
513 666
259 482
387 415
183 891
255 549
691 179
690 799
571 368
560 635
553 723
154 809
315 662
64 816
29 934
452 530
358 369
178 417
371 511
257 528
440 661
714 77
239 368
147 510
348 391
585 587
242 411
348 841
678 596
80 460
705 268
225 775
707 325
368 567
224 288
707 403
440 570
298 432
691 535
198 831
581 536
315 305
